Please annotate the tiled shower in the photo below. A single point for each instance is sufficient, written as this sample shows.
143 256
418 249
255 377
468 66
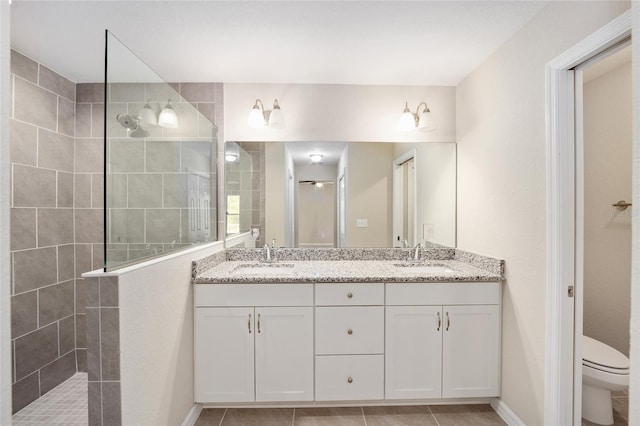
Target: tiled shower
57 207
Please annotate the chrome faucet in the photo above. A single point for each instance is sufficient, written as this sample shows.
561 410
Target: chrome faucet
416 253
267 253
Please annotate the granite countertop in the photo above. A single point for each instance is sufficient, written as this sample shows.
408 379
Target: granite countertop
232 268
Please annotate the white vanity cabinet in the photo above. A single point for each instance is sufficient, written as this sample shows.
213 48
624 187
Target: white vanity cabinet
236 331
442 340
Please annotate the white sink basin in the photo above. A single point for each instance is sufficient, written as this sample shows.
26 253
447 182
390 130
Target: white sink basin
413 268
278 269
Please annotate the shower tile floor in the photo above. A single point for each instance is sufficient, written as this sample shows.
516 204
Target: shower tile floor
64 405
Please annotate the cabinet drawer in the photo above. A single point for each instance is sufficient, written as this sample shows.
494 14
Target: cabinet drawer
254 295
349 294
349 377
350 330
443 294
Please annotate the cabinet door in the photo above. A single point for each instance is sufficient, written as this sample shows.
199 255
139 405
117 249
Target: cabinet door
284 354
413 356
224 351
471 351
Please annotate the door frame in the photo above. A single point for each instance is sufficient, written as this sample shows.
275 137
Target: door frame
398 187
563 353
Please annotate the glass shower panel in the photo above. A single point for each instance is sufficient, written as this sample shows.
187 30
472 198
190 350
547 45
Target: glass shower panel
160 164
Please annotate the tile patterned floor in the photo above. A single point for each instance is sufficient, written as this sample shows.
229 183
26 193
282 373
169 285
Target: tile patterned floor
64 405
419 415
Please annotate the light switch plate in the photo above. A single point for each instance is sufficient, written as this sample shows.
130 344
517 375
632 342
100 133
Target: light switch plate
428 232
362 223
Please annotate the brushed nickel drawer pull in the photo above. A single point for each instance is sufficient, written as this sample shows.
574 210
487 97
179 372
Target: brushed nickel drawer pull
350 295
258 323
249 323
448 322
349 331
439 322
349 379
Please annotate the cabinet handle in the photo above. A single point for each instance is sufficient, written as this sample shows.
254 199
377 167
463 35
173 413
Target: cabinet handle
448 321
349 379
249 324
258 323
439 322
349 295
349 331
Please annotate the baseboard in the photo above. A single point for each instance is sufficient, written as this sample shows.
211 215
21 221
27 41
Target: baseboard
505 412
193 415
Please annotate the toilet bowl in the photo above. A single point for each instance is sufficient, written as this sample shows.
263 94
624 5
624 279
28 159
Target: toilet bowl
604 370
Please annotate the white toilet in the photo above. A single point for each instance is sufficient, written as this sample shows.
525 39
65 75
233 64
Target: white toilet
604 370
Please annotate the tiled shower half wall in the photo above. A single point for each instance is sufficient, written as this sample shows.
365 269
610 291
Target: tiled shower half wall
57 202
161 163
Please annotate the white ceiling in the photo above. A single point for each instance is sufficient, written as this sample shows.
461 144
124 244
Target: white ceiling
331 42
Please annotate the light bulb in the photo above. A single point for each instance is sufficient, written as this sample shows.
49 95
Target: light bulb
168 117
316 158
276 118
256 117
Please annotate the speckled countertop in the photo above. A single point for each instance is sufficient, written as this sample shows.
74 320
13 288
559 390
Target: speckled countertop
372 265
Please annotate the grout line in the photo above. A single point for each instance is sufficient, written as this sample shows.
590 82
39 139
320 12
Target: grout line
222 418
433 415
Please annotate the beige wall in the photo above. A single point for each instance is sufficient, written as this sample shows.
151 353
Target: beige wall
607 251
500 127
369 180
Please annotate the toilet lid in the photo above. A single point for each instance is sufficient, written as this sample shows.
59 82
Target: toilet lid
597 353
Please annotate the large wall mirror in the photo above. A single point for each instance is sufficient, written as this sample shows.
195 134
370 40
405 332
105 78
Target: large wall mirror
340 194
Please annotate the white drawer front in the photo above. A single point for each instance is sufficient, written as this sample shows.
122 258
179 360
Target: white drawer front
349 294
349 377
350 330
254 295
443 294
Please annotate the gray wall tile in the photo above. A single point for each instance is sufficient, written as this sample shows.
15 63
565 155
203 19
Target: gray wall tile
208 111
57 372
33 187
24 67
83 259
175 190
196 156
159 93
81 331
24 142
81 296
126 92
163 225
197 92
89 225
65 189
35 350
67 334
66 262
163 156
89 156
92 292
81 360
97 121
57 83
110 343
144 190
55 226
127 226
95 403
83 120
55 151
35 105
97 191
55 302
90 92
187 121
126 155
34 268
98 256
114 128
23 228
111 404
82 190
66 117
93 344
24 313
25 391
108 291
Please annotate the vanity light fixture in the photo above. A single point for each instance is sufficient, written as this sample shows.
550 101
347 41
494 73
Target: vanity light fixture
416 120
258 117
232 152
168 117
316 158
148 115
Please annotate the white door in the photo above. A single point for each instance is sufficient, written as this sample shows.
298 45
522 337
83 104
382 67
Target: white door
413 361
471 351
284 354
224 348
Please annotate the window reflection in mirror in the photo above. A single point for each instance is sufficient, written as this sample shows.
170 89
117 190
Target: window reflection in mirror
360 194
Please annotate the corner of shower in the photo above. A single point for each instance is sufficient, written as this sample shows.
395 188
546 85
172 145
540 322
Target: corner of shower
159 164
